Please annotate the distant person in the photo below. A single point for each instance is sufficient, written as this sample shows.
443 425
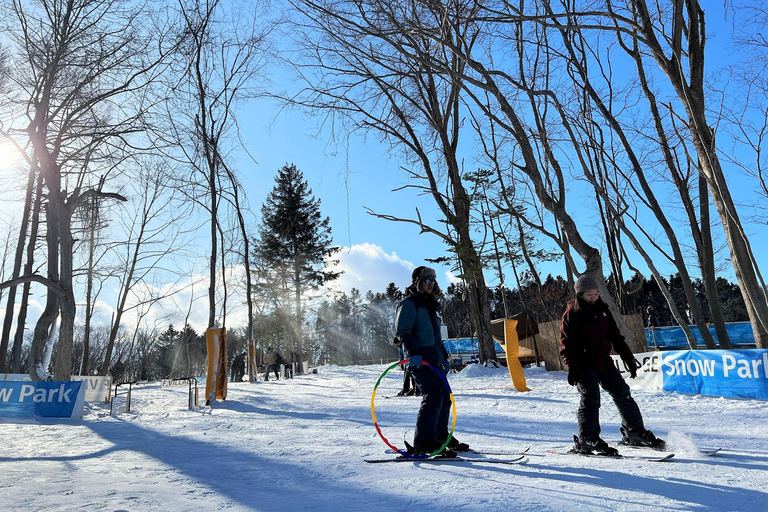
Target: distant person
418 328
588 331
689 315
409 385
296 362
238 368
270 361
653 320
287 361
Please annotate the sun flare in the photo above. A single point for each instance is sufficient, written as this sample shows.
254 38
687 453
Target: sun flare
10 161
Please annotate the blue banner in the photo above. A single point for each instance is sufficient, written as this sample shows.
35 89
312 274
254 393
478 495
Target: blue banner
44 399
466 346
740 334
726 373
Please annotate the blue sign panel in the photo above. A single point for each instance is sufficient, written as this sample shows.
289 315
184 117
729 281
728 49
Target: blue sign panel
740 333
727 373
466 346
44 399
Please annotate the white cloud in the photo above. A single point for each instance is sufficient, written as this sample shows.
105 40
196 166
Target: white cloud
451 278
367 267
183 300
187 300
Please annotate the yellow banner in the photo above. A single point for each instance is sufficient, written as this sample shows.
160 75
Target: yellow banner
216 382
252 366
511 347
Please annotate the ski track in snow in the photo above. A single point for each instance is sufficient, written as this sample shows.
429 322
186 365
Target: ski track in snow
299 445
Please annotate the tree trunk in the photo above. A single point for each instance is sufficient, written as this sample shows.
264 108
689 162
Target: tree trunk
10 303
89 292
693 99
214 250
68 307
480 307
55 206
297 298
741 254
250 347
21 320
707 265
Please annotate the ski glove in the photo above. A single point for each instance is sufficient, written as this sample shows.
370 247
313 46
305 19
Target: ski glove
414 362
445 366
631 367
573 376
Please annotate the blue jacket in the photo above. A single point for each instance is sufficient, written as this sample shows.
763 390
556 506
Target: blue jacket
418 327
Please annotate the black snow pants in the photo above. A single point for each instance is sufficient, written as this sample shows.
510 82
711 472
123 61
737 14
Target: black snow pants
432 421
589 409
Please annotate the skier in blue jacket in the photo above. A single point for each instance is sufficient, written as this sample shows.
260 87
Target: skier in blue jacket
418 327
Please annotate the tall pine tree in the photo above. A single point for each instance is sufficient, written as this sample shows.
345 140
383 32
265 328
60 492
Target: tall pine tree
295 244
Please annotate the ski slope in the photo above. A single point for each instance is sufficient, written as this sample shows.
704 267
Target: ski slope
299 445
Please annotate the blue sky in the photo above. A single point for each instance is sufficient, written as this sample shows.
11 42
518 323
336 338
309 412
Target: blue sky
347 180
362 174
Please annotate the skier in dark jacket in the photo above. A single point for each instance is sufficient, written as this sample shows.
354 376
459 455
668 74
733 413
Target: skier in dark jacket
588 331
238 368
418 327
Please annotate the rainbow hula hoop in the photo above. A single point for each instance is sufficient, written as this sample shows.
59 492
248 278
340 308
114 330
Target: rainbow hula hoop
376 422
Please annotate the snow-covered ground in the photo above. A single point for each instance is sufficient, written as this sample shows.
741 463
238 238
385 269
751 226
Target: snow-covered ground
300 445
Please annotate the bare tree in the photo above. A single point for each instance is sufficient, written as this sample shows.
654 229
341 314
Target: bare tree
674 37
612 177
77 65
152 235
15 272
534 155
31 245
357 55
218 67
664 40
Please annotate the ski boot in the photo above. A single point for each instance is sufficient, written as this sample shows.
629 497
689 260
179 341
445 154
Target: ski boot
593 446
643 438
456 445
428 448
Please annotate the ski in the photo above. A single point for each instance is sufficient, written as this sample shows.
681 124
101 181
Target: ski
524 451
640 447
518 460
660 458
708 452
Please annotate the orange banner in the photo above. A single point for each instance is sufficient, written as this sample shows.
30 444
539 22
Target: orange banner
511 347
252 366
216 382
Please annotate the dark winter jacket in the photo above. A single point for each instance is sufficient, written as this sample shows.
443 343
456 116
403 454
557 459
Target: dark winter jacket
418 327
587 336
